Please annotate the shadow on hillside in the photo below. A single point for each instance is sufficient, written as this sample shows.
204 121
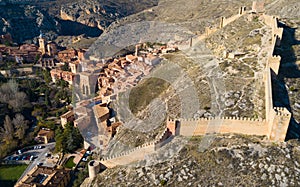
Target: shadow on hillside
288 69
72 28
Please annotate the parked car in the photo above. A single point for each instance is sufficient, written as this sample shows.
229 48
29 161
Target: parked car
40 163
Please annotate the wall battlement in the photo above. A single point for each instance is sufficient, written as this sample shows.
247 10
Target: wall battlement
280 111
225 21
218 118
277 32
278 118
151 146
146 145
274 63
258 6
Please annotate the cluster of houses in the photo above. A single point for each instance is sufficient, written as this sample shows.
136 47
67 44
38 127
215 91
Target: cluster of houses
110 76
88 111
23 53
125 72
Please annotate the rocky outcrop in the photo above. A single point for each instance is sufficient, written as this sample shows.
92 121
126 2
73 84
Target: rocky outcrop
90 13
25 19
26 22
102 13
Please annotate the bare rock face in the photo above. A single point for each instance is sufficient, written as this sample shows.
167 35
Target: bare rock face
101 14
285 10
65 16
90 13
26 21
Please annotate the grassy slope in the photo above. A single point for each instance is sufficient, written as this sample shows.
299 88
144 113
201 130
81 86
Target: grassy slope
145 92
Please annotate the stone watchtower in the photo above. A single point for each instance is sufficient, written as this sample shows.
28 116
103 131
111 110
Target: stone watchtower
94 168
173 126
258 6
279 124
42 48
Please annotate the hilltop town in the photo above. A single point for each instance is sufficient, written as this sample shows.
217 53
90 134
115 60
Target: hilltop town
154 100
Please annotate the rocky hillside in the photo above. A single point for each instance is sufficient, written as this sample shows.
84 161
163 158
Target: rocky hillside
191 14
229 161
101 13
24 21
285 10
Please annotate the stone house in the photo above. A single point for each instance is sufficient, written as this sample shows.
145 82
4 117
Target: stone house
44 136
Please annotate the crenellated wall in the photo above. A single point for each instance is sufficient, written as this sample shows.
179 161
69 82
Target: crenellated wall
137 153
130 156
268 92
277 32
278 119
202 126
210 30
274 63
225 21
278 125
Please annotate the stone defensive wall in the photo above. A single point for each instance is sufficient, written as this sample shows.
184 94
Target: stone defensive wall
278 124
277 118
130 156
224 125
137 153
272 21
226 21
